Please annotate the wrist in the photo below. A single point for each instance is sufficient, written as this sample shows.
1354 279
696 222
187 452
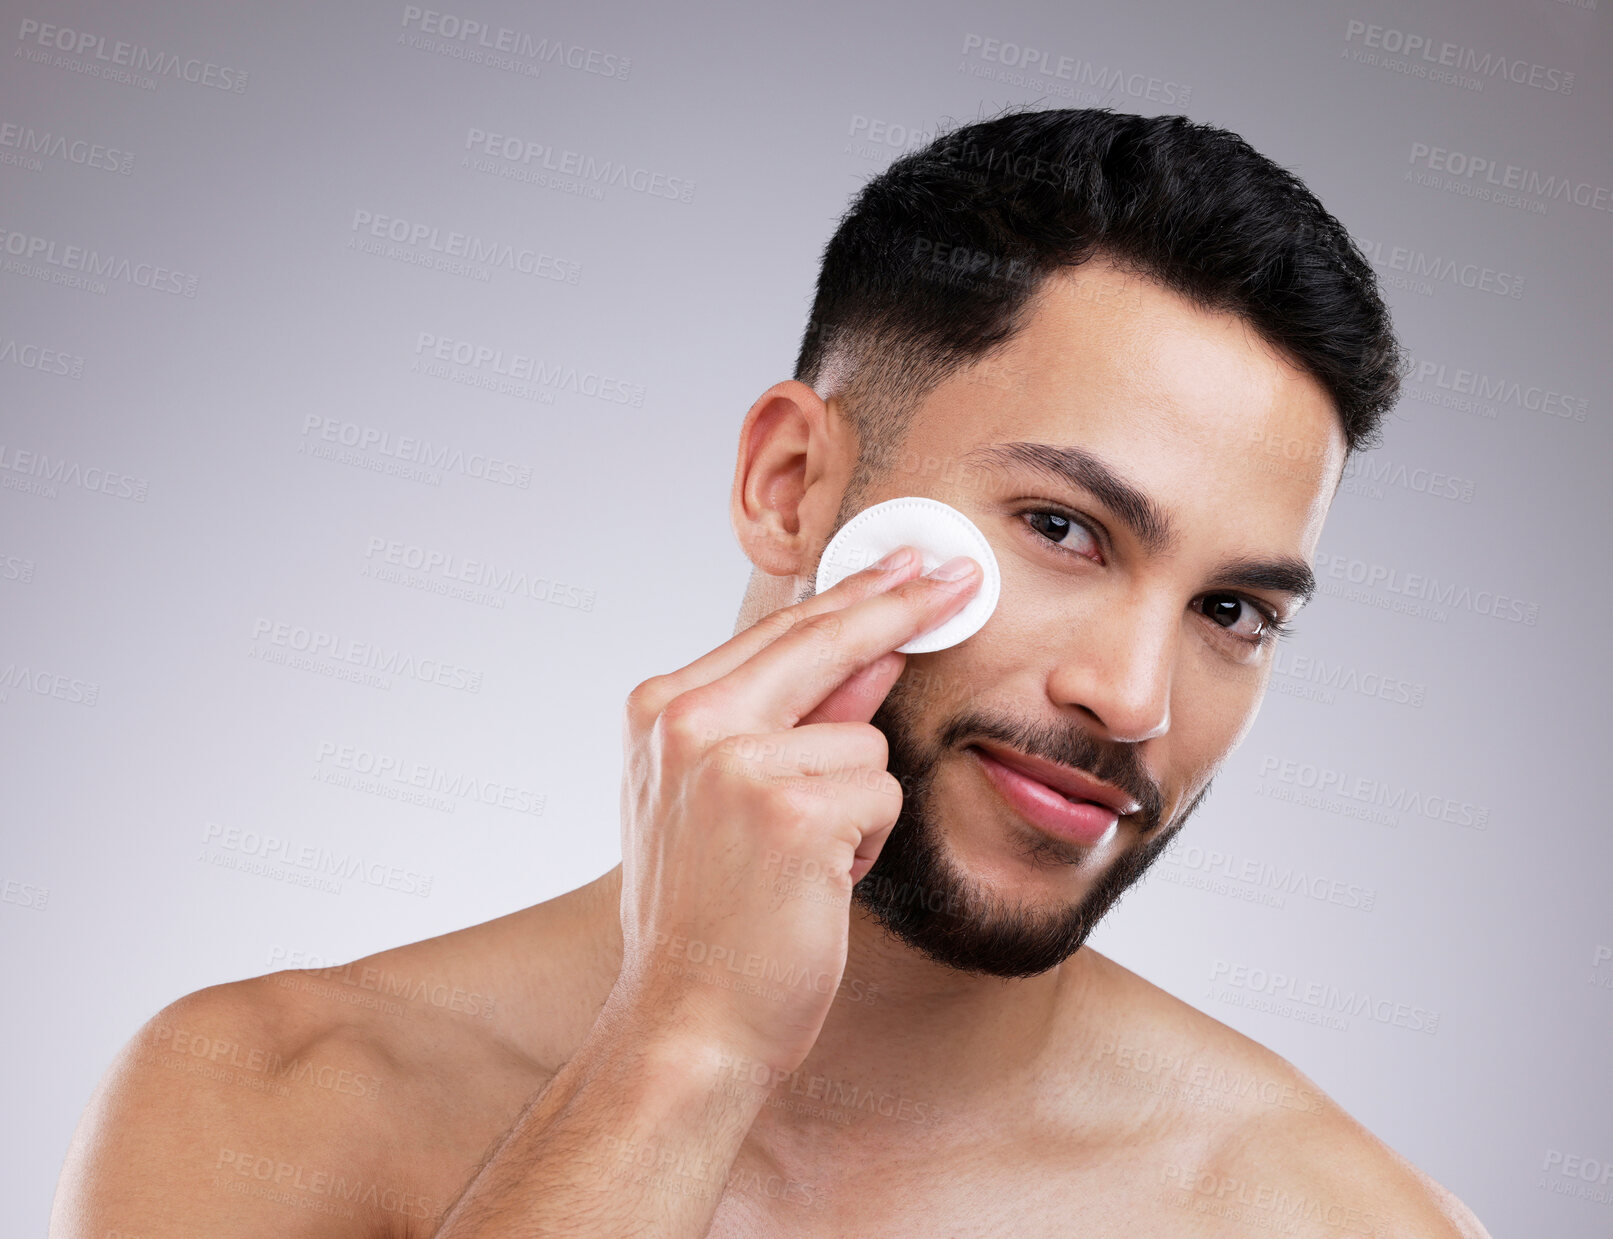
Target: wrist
686 1053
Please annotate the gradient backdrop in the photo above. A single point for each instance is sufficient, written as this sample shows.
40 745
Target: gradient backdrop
365 437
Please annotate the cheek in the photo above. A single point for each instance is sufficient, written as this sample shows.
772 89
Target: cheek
940 686
1213 706
1036 611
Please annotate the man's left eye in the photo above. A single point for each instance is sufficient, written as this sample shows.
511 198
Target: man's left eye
1224 610
1055 527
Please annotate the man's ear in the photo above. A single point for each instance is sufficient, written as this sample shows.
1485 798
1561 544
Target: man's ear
792 467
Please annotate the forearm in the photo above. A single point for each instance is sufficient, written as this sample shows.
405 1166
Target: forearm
636 1134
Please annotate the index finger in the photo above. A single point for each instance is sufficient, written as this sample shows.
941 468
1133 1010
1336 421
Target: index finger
743 645
783 682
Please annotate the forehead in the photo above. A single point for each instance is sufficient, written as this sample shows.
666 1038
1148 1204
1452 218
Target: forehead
1192 405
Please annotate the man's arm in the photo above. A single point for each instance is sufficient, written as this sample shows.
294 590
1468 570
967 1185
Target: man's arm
636 1134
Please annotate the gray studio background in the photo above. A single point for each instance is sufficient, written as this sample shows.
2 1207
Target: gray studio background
261 417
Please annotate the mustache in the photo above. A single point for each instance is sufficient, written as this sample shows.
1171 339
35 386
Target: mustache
1119 765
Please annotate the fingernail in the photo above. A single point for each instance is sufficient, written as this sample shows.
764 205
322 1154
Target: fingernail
953 570
899 558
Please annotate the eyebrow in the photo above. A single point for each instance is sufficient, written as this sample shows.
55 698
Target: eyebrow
1147 521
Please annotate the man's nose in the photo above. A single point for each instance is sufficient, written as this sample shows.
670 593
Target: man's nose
1116 667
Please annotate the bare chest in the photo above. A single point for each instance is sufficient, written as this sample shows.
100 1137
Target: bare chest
1138 1195
898 1191
897 1178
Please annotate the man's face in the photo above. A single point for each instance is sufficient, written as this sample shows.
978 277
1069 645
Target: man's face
1127 641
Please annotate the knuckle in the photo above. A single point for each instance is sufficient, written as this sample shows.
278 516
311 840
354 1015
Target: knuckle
775 624
823 632
876 744
687 721
647 699
825 625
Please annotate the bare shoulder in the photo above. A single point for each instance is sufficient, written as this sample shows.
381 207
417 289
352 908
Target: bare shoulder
1262 1143
1343 1173
220 1115
354 1100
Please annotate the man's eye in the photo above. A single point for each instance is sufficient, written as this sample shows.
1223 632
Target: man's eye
1056 528
1230 611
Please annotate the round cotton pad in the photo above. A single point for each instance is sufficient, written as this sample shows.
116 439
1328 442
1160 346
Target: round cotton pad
939 532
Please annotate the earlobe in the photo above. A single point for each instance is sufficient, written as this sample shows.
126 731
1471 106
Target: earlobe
785 468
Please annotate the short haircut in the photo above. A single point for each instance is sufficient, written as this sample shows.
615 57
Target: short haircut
939 256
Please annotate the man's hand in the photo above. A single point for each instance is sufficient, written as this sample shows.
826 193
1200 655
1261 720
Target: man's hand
759 750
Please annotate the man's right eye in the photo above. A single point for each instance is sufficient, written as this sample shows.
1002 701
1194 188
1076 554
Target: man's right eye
1056 526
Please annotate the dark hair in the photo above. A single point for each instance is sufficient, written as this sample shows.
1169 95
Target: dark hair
939 256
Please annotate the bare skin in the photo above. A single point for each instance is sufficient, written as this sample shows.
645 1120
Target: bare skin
545 1073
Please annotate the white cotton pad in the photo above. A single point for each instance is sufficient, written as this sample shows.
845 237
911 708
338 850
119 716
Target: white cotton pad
937 530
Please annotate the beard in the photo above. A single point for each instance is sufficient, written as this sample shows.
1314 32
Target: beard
918 892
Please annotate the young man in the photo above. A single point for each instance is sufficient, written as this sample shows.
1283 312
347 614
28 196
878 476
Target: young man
838 984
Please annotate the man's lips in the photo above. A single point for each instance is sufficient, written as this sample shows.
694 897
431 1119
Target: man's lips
1084 821
1071 783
